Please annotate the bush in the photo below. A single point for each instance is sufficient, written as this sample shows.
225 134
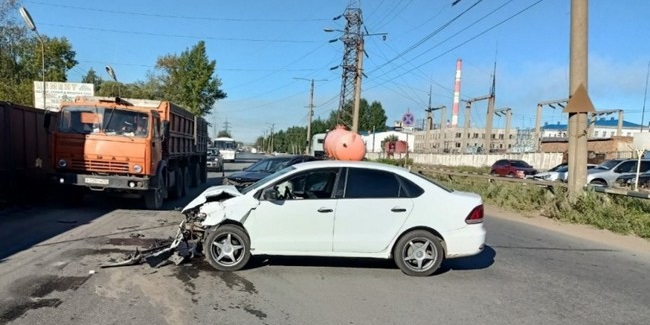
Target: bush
620 214
395 162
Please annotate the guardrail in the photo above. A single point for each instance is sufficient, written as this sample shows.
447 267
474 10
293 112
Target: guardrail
528 181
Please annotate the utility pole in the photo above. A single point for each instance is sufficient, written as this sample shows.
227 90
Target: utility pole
490 112
579 104
310 114
468 111
430 111
352 64
508 112
226 126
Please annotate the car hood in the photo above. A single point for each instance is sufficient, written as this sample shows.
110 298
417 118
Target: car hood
248 176
212 193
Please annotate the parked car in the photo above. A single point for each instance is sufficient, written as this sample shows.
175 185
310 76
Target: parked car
558 173
263 168
512 168
606 173
628 180
214 160
342 209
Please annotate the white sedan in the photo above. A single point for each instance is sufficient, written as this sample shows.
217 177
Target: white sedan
342 209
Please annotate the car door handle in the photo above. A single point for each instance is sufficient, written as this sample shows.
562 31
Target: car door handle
325 210
396 209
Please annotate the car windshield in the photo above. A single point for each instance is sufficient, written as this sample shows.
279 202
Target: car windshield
609 164
262 181
268 165
86 120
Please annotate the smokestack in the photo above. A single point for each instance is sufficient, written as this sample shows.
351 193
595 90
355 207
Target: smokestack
454 111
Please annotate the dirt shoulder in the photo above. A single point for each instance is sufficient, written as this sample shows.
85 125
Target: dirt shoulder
606 237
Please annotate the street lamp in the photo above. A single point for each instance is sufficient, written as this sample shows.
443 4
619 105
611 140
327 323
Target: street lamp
30 24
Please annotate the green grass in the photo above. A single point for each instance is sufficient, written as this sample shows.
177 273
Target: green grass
620 214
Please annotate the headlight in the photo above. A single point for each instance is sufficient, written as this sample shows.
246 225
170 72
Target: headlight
137 168
63 163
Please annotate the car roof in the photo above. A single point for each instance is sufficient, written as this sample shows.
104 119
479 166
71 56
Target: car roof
347 163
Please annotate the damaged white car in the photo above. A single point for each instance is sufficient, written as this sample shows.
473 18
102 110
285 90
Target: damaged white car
337 208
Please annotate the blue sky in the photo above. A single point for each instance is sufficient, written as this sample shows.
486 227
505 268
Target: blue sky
261 46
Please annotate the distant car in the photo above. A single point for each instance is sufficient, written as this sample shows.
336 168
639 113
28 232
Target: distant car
214 160
558 173
335 208
628 180
263 168
606 173
512 168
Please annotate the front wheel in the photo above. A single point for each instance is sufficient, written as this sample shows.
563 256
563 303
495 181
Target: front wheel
599 182
419 253
228 248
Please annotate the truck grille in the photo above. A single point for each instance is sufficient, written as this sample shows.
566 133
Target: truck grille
100 165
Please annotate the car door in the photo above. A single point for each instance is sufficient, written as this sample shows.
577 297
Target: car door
627 167
300 219
370 212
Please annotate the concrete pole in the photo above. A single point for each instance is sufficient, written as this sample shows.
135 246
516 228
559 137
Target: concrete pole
578 76
443 129
488 124
357 87
538 129
309 116
463 139
619 127
508 121
591 124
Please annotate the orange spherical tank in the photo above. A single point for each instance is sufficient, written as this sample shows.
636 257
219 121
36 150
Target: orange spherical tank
341 144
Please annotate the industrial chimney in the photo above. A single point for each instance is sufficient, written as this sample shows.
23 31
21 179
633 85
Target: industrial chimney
454 111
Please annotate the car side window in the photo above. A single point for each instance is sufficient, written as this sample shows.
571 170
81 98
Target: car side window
315 184
626 167
370 183
408 188
645 166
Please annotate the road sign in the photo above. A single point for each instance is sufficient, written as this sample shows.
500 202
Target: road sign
579 102
408 119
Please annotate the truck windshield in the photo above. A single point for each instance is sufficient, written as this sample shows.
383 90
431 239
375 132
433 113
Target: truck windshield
86 120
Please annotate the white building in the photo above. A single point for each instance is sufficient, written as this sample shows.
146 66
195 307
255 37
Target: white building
603 128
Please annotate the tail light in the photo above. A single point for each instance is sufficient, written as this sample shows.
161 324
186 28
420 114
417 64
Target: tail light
476 216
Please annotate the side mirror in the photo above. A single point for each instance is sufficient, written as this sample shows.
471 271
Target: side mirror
47 120
270 194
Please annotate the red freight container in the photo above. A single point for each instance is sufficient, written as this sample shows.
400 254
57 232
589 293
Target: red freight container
24 148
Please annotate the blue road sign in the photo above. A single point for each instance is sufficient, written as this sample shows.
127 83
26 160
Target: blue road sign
408 119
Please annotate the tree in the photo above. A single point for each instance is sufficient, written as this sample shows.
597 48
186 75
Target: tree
224 134
92 78
188 79
370 116
21 62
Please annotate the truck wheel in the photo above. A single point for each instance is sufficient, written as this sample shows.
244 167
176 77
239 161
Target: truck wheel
204 172
186 181
153 200
196 175
177 190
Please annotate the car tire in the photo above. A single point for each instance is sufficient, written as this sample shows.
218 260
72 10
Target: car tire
177 190
419 253
186 181
493 173
511 174
227 248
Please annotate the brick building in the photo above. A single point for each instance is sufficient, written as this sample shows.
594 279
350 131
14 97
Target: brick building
599 149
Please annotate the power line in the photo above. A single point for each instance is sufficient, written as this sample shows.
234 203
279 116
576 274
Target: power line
177 16
466 41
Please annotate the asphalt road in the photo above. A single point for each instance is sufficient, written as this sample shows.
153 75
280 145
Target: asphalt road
526 275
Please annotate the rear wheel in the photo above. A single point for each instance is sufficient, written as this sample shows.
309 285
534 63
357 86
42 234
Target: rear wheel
177 190
186 181
196 175
419 253
228 248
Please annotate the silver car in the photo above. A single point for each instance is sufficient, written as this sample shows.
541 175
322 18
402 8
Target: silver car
607 173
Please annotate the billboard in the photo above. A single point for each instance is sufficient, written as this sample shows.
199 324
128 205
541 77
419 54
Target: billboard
57 92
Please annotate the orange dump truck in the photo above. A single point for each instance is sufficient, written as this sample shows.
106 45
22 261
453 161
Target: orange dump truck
154 149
